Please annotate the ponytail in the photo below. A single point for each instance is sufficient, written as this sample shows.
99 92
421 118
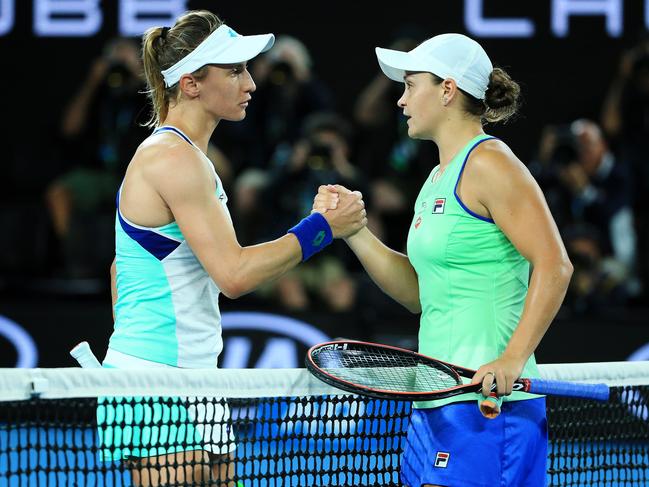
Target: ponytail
162 47
156 91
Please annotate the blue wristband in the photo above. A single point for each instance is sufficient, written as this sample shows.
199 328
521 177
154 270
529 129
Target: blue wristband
313 233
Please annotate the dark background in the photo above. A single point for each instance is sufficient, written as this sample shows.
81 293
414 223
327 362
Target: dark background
562 79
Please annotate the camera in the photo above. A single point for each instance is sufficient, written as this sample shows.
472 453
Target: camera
119 78
566 149
319 156
281 73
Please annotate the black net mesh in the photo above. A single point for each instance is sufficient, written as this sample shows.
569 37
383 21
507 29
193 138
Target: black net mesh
296 441
600 444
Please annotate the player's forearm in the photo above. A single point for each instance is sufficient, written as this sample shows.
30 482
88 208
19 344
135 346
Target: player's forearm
547 290
370 109
389 269
258 264
76 113
611 112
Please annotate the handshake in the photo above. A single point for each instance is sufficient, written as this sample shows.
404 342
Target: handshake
343 209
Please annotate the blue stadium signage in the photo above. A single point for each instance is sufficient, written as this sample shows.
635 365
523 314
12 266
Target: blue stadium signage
264 340
22 342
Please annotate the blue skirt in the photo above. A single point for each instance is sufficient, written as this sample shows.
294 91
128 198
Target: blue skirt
455 445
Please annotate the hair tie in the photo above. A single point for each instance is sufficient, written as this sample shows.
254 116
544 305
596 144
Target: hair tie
163 34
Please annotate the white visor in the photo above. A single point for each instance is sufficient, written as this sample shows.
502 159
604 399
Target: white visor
223 46
453 56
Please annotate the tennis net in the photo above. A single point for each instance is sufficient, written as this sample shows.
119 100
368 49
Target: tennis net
274 428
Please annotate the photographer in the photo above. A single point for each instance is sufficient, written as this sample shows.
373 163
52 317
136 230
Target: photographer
625 118
320 156
99 133
393 162
287 92
598 282
585 183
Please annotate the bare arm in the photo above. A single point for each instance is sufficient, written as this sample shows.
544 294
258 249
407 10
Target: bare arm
612 107
515 202
186 185
76 112
389 269
370 109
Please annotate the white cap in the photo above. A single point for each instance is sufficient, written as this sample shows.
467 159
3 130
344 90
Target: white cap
223 46
453 56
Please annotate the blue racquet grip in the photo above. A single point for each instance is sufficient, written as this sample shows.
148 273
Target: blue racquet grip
599 392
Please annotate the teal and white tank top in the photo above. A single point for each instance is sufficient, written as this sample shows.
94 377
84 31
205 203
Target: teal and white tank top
167 304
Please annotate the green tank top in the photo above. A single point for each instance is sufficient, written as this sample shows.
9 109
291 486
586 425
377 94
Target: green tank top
472 280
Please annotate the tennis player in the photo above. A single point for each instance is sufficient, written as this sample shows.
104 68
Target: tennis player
176 248
479 221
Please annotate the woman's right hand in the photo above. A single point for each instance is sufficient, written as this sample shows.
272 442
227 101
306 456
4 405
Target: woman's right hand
326 199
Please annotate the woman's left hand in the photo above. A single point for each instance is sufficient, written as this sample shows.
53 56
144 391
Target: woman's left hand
503 371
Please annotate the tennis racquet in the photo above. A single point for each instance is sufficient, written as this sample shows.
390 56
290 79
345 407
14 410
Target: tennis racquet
386 372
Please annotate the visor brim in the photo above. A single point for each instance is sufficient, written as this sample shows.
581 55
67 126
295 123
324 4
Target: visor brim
244 48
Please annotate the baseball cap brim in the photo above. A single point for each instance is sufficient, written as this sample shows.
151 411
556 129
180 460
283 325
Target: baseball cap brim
394 64
454 56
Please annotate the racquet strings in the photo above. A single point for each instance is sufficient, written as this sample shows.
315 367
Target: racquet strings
385 369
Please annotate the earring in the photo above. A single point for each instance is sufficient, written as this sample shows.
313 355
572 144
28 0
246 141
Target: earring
445 101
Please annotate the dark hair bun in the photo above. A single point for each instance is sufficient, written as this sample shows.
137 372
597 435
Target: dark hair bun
502 97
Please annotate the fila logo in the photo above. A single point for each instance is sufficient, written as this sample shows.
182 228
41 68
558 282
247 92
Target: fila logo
438 207
441 460
417 223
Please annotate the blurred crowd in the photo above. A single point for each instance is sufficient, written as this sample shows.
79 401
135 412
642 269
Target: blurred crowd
594 173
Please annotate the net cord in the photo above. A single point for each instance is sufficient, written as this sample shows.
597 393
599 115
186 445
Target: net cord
58 383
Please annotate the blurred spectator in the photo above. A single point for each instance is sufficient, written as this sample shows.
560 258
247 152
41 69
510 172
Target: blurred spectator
395 163
585 182
99 129
287 92
598 282
285 194
625 118
249 211
601 188
557 148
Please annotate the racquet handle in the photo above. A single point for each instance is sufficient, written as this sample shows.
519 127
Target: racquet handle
490 406
599 392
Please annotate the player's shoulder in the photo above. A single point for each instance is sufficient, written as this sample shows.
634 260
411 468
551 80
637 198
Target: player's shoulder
166 149
167 154
166 160
493 159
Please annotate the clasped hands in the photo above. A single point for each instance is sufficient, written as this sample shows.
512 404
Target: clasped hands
343 209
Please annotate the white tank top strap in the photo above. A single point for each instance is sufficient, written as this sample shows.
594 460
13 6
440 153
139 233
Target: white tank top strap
185 137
